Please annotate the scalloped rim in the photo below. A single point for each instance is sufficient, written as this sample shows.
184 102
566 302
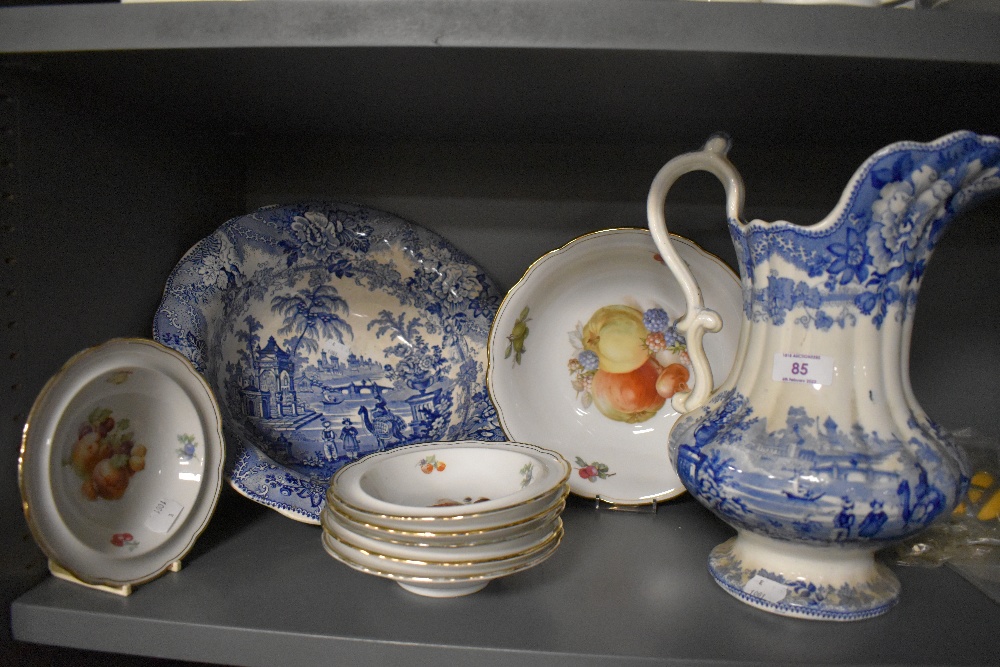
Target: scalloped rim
505 422
243 451
385 510
832 220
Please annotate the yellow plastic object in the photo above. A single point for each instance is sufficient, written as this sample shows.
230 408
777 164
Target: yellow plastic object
982 479
990 509
985 506
971 536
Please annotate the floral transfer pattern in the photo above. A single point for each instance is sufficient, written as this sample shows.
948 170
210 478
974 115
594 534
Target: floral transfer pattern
188 449
306 385
869 263
527 473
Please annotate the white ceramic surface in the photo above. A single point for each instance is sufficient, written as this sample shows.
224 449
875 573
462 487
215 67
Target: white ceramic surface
422 570
449 479
450 539
579 346
462 553
470 521
437 587
121 462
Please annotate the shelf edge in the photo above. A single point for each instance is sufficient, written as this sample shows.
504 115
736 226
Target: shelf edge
667 25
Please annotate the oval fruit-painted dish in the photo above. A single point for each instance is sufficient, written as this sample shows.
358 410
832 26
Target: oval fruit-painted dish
330 331
584 358
121 462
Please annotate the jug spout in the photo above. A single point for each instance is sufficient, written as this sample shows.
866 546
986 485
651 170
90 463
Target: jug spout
866 259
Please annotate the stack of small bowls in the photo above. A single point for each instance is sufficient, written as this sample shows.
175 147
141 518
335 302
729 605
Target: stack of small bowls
444 519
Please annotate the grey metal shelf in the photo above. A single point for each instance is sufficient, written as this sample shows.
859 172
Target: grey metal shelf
129 132
622 589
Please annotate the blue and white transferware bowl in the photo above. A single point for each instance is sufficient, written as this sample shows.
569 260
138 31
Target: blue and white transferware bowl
330 331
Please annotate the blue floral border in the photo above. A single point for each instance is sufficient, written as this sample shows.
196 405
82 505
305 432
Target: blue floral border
872 257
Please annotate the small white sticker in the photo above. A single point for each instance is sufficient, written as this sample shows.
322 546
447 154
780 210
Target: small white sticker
802 368
163 516
766 589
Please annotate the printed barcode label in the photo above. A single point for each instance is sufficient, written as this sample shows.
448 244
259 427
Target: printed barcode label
163 516
802 368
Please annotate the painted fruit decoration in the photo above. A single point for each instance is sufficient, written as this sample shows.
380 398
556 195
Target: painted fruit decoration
105 455
628 362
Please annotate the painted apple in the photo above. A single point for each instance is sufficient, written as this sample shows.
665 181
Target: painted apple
110 478
618 336
629 397
87 452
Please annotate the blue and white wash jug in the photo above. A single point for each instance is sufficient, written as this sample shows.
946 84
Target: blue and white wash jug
814 448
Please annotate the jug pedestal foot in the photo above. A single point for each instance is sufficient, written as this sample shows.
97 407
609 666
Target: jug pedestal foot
826 582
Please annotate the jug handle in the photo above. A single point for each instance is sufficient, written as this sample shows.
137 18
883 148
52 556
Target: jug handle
697 318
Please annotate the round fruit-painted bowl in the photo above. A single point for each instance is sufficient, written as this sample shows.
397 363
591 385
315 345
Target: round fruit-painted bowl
445 538
584 358
469 520
441 480
121 462
441 580
451 553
